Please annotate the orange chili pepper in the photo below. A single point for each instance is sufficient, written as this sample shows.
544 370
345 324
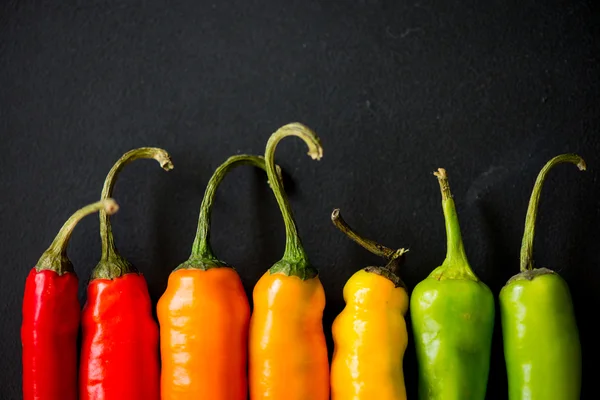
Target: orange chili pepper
204 316
288 353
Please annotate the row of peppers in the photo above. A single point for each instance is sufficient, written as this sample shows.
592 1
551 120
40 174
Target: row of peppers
213 347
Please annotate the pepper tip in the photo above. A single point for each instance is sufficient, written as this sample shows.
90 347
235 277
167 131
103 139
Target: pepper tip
316 153
441 173
335 214
110 206
167 165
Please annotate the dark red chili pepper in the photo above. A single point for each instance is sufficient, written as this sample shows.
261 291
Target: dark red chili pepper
119 355
51 314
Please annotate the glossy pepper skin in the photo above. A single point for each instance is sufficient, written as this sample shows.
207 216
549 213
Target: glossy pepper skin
370 335
119 351
452 314
120 341
287 349
541 340
196 355
204 316
51 315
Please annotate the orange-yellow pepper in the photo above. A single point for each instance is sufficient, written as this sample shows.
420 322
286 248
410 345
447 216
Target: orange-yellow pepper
287 349
289 353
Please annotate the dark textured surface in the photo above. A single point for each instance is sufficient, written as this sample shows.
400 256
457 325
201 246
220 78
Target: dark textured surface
488 90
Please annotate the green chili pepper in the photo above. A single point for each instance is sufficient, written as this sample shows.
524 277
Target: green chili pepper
452 314
541 340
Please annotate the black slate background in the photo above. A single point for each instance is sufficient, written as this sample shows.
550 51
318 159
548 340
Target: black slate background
489 90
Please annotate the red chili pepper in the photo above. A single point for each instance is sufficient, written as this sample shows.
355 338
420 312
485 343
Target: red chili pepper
51 314
119 355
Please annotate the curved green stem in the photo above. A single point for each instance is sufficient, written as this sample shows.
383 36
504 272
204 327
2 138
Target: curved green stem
392 256
112 264
456 264
532 209
294 261
202 256
55 257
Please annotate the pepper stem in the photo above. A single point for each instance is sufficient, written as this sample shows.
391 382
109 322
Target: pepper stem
532 209
294 261
456 264
202 255
112 264
55 257
392 256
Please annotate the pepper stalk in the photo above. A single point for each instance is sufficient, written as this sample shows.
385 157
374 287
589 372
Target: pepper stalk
112 265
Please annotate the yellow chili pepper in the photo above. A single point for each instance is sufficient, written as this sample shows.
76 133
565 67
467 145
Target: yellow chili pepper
370 335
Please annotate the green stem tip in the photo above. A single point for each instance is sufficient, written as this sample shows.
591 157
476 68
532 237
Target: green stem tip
112 265
532 209
456 264
294 261
202 256
55 257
